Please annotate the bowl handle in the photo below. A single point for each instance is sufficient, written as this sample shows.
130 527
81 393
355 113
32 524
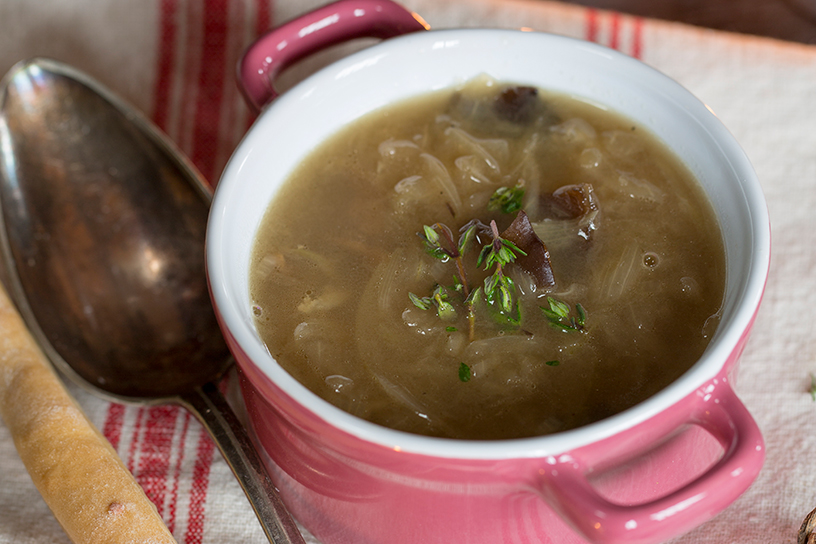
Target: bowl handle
332 24
715 408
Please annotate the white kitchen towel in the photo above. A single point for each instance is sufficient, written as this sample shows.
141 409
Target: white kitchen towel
175 60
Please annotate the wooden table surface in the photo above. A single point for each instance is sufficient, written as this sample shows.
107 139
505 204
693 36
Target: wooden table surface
792 20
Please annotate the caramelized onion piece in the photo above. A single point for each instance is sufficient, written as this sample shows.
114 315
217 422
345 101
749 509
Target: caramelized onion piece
517 104
569 202
537 260
567 215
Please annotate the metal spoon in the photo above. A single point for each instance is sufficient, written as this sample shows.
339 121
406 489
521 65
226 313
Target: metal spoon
102 235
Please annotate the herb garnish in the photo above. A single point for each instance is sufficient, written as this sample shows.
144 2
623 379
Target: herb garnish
439 243
506 199
439 299
498 291
558 314
464 372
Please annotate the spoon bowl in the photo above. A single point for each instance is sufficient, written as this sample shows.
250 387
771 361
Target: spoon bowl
102 235
105 239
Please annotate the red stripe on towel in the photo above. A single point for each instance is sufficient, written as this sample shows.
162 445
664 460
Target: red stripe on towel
172 507
591 25
189 55
210 87
263 16
166 62
134 442
263 22
154 461
198 492
114 419
614 31
240 30
637 38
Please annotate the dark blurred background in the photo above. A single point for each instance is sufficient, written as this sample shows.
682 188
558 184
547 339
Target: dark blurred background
792 20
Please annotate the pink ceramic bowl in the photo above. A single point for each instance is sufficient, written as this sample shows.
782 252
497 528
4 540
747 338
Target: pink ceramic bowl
644 475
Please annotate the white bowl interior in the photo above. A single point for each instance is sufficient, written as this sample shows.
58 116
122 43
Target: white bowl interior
418 63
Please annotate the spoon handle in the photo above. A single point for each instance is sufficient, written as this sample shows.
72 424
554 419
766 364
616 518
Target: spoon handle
211 408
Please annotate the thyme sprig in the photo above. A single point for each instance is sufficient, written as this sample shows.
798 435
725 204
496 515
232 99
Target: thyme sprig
440 244
439 299
498 292
499 289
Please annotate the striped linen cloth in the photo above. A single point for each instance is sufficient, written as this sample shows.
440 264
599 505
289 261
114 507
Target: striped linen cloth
175 61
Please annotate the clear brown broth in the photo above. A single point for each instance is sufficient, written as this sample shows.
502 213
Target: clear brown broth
337 254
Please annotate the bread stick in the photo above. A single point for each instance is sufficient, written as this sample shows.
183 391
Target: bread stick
76 470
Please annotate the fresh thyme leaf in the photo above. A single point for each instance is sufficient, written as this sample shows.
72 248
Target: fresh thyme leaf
504 314
558 314
423 303
558 308
444 309
507 199
431 236
466 236
551 316
432 245
505 298
451 329
439 242
581 314
473 296
505 255
490 284
439 299
513 248
464 372
552 363
486 250
458 286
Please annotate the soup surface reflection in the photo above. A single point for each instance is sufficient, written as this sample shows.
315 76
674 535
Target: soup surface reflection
489 262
